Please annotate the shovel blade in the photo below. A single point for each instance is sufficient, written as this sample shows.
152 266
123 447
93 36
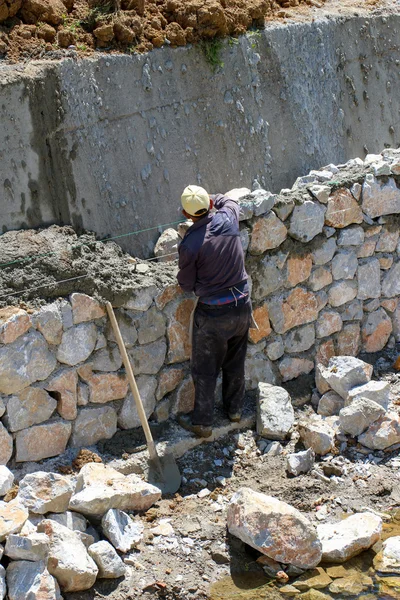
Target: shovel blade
164 474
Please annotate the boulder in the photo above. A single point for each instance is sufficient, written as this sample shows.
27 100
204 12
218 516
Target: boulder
12 518
100 488
346 372
378 391
42 441
343 540
275 414
43 492
388 559
68 560
317 434
77 344
300 462
69 519
274 528
48 319
166 248
14 322
6 480
330 404
107 560
307 221
31 580
358 416
383 433
123 532
34 547
92 425
30 407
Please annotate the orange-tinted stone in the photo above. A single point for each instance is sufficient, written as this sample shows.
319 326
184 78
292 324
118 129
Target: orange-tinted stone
184 402
367 249
325 351
14 322
168 380
85 308
268 232
178 332
376 331
342 210
298 269
65 385
170 292
261 317
348 341
390 305
300 307
106 387
290 368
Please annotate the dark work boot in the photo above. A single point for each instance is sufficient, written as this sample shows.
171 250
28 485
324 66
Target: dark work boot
185 421
235 417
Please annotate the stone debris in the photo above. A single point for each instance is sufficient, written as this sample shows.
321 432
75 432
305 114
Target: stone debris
68 559
388 559
275 414
69 519
6 480
34 547
300 462
378 391
358 416
330 404
100 488
346 372
31 580
107 560
12 518
383 433
290 538
121 530
316 433
43 492
341 541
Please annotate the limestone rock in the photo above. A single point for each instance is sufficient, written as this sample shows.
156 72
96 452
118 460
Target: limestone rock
344 265
266 276
261 317
291 368
320 278
25 361
307 221
178 334
317 434
388 240
148 359
69 519
380 198
376 331
299 308
298 269
12 518
346 372
356 418
369 279
329 322
268 232
42 441
65 385
106 359
343 540
150 326
142 298
324 251
85 308
30 407
259 368
378 391
351 236
93 425
168 380
48 321
300 339
275 414
300 462
68 561
107 560
166 245
274 528
31 580
34 547
127 328
128 417
6 445
77 344
388 560
348 341
342 210
123 532
330 404
342 292
14 322
313 581
6 480
43 492
101 488
383 433
320 383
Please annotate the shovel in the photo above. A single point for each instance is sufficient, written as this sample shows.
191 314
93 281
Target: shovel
163 471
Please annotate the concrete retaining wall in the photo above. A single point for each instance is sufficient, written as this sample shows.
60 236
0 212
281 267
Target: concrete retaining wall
325 272
108 143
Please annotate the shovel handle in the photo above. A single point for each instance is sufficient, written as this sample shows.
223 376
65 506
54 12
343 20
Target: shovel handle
132 382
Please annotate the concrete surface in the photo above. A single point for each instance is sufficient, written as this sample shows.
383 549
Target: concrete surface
108 143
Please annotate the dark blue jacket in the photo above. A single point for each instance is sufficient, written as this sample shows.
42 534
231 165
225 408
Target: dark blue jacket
211 257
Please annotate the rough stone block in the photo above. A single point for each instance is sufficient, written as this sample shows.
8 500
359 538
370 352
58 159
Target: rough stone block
298 269
93 425
351 236
77 344
30 407
43 492
121 530
128 417
317 434
380 198
383 433
12 518
348 341
320 278
307 221
300 462
14 322
343 210
369 279
299 308
26 579
151 326
290 368
330 404
65 385
329 322
261 317
85 308
341 541
376 331
324 251
107 560
275 414
378 391
48 320
300 339
345 372
342 292
268 232
42 441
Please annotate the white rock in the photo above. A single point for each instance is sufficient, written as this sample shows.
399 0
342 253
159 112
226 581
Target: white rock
307 221
12 518
358 416
275 414
316 433
31 581
378 391
128 417
166 245
3 586
34 547
383 433
68 561
100 488
274 528
388 560
107 560
330 404
346 372
6 480
72 520
121 530
300 462
42 492
77 344
340 541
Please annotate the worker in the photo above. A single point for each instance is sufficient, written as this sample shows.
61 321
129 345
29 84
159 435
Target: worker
211 264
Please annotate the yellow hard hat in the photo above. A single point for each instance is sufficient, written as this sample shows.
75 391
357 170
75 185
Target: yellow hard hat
195 199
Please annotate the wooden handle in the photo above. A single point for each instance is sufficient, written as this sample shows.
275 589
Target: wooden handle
132 382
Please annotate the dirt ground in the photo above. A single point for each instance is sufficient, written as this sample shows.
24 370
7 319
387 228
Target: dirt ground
32 29
192 557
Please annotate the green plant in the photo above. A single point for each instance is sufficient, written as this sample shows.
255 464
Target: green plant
232 41
212 51
82 47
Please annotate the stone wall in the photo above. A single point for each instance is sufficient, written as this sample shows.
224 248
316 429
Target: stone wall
324 262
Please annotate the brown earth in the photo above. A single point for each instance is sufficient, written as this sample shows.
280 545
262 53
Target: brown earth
31 29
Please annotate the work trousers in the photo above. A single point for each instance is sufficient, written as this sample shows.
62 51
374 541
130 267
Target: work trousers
219 342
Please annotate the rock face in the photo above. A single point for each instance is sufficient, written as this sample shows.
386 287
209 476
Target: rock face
275 414
340 541
101 488
68 560
121 530
274 528
27 579
43 492
346 372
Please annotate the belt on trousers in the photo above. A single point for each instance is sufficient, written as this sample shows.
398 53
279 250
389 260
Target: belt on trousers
203 305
